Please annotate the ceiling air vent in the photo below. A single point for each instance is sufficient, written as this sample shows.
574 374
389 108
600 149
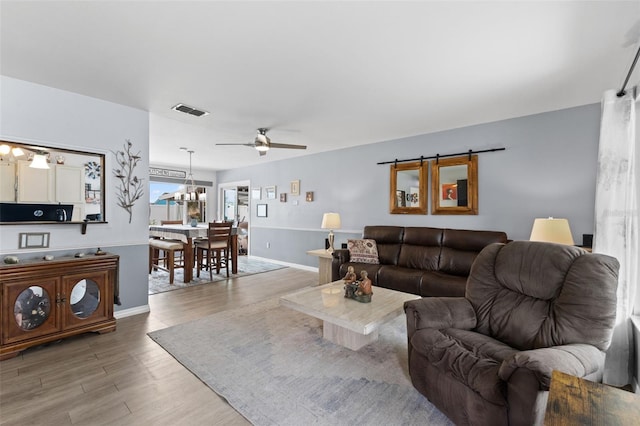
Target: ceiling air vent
189 110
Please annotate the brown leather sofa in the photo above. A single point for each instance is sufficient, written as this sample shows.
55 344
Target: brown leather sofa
529 308
420 260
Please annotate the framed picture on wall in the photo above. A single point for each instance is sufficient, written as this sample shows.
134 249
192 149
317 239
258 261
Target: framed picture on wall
270 192
283 197
256 193
309 196
295 187
261 210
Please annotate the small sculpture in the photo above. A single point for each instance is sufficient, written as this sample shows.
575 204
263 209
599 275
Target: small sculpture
364 287
359 290
350 276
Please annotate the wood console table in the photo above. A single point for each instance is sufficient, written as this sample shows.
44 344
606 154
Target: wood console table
42 301
576 401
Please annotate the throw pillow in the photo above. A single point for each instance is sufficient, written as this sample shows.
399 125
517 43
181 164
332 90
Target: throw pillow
363 251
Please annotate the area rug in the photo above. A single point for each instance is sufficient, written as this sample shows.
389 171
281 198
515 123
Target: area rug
159 280
273 366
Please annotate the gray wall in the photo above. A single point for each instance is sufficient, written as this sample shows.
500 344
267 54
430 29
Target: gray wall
41 115
547 169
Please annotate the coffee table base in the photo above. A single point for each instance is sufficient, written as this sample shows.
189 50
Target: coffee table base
347 338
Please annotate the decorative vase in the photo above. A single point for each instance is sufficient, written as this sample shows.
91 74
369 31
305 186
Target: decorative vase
194 222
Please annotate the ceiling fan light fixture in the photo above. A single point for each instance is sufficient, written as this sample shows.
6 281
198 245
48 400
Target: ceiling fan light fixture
262 148
39 161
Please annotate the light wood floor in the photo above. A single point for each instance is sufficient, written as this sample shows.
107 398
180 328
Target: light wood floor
124 378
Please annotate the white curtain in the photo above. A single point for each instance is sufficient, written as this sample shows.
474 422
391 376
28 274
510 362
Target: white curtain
616 217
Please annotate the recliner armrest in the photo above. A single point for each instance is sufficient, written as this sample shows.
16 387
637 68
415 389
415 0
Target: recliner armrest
576 359
341 255
439 313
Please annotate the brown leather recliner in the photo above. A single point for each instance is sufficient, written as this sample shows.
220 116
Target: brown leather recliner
529 308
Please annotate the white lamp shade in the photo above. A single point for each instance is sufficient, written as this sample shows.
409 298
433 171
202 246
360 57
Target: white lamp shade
331 221
551 230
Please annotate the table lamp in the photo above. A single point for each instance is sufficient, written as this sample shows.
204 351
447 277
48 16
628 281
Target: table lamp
551 230
331 221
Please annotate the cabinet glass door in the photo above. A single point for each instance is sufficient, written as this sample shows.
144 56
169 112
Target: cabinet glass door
33 310
86 298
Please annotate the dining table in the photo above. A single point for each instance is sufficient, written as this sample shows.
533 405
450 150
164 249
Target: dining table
186 234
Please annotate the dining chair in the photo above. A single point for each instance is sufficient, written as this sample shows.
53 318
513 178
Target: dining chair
162 252
216 249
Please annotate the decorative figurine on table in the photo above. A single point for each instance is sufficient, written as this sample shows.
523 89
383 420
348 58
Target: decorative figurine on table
350 276
359 290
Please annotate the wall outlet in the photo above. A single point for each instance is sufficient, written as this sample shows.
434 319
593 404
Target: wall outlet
268 245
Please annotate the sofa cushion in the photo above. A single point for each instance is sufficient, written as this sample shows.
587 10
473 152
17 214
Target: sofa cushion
397 278
389 241
420 248
363 251
461 247
438 284
468 357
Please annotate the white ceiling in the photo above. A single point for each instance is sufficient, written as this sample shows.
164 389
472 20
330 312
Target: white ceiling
325 74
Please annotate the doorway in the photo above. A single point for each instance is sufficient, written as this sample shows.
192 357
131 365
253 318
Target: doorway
234 206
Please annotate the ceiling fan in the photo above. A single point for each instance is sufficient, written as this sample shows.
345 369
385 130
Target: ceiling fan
263 143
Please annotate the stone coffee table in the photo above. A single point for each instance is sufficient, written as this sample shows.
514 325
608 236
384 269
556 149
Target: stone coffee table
347 322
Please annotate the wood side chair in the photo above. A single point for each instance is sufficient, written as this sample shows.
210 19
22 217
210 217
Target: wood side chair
216 249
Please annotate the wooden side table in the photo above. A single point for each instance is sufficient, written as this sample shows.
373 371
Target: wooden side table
324 267
576 401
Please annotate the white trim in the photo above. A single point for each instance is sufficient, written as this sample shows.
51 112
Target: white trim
292 265
90 248
324 231
54 145
136 310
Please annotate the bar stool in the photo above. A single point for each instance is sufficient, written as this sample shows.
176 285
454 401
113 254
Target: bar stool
218 243
164 251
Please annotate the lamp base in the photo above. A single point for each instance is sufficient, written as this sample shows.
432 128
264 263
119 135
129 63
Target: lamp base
331 239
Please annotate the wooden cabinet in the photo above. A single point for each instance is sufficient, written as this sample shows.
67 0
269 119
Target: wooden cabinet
7 182
41 301
58 184
69 189
34 185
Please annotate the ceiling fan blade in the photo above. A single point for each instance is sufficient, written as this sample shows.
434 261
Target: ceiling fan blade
286 145
238 144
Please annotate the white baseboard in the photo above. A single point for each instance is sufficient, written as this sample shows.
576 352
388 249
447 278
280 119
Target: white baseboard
137 310
292 265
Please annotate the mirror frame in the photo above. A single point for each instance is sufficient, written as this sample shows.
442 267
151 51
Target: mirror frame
472 185
422 168
52 151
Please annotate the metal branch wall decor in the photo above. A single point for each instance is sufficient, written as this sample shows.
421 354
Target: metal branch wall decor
129 189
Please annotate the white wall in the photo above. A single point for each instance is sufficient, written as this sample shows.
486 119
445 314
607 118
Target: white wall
41 115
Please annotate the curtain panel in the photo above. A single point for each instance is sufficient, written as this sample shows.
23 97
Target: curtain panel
616 217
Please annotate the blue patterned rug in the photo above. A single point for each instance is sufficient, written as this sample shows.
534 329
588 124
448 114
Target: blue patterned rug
159 280
273 366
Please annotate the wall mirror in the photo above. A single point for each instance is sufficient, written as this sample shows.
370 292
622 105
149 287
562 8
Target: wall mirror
41 184
408 185
454 185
